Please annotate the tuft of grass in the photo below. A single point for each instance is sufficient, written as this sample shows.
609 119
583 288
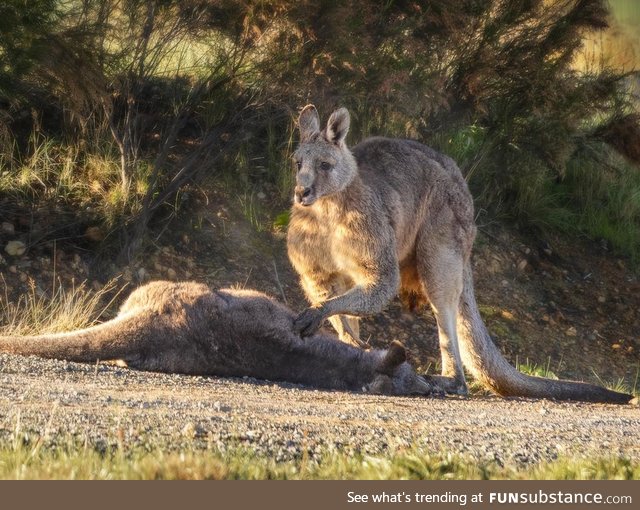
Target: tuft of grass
281 221
619 385
252 211
537 370
64 309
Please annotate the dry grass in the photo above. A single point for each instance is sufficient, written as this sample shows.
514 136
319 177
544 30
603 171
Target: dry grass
64 309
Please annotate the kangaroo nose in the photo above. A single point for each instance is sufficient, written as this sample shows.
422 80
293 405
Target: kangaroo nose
302 192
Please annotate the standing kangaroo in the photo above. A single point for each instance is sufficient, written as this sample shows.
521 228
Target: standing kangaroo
190 329
393 215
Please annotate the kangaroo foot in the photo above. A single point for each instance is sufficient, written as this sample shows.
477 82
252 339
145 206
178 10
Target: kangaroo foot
448 385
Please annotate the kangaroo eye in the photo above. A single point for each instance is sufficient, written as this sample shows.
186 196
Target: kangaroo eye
325 165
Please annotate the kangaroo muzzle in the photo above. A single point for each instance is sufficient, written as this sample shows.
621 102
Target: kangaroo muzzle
304 195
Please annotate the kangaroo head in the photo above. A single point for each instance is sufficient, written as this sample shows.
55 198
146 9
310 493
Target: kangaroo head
324 164
394 376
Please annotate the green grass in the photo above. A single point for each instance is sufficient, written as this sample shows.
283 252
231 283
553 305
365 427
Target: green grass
85 178
73 460
252 210
537 370
599 198
594 193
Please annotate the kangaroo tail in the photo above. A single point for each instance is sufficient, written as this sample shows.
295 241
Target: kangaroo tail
485 362
113 339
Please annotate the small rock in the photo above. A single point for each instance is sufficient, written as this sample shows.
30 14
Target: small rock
171 274
222 408
15 248
522 265
602 299
95 234
571 331
189 430
8 228
142 274
507 315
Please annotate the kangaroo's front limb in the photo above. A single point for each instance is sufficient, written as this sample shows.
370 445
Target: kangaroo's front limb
318 289
374 288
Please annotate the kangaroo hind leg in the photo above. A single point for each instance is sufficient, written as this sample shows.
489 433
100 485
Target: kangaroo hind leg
440 270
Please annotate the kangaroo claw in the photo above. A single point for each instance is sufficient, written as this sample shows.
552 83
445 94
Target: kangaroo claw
308 322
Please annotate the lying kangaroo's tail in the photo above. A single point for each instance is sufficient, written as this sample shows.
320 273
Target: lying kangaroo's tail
485 362
113 339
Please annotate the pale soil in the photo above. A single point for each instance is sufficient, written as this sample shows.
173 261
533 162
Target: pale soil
106 406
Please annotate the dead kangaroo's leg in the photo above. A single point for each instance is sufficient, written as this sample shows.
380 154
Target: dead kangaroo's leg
348 329
440 270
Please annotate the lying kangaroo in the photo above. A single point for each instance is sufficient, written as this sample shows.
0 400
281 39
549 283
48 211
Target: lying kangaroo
188 328
393 215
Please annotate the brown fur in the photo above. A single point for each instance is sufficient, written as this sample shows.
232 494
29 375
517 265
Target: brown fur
395 216
188 328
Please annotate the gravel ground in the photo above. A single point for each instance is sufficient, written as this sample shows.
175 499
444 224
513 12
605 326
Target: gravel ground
106 405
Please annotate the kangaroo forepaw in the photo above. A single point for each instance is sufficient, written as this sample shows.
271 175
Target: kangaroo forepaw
308 322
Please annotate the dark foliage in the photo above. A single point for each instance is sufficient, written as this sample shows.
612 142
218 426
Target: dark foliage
492 82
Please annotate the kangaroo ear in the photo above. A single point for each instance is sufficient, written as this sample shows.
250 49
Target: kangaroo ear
308 122
396 355
338 126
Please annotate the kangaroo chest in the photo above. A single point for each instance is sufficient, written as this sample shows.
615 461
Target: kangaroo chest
332 244
349 245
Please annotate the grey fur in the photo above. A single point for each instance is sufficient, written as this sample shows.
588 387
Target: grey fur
188 328
394 215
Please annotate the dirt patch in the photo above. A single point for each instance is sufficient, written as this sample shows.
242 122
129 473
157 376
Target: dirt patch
108 407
